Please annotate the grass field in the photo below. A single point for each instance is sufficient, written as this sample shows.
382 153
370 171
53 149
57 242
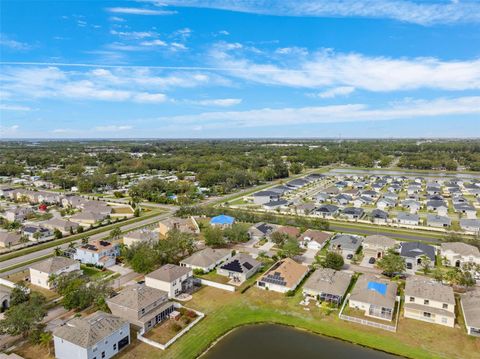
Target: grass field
95 273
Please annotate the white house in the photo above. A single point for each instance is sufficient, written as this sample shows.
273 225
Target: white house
457 254
471 309
285 275
171 278
41 272
207 259
97 336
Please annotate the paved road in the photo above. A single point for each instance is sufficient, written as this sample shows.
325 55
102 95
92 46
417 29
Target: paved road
103 235
410 237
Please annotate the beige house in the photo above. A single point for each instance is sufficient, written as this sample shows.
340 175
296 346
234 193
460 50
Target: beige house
62 225
171 278
457 254
86 218
471 312
5 294
327 285
142 306
207 259
185 225
140 236
377 245
375 296
8 239
239 268
430 301
283 276
41 272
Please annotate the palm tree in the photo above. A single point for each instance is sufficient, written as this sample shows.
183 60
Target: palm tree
45 340
57 251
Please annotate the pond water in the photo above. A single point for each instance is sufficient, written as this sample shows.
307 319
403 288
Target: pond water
279 342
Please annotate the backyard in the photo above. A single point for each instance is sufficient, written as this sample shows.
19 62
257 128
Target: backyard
165 331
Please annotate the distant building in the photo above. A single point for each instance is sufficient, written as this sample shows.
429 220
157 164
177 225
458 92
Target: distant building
184 225
222 221
140 236
8 239
470 302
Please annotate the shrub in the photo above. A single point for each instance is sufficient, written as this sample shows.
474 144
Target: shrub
176 327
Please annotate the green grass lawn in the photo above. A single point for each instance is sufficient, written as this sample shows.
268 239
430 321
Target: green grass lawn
226 311
95 273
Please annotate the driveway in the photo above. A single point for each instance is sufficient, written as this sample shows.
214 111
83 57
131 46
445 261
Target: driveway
266 247
120 269
308 257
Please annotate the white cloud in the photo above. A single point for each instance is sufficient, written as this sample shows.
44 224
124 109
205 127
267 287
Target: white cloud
336 91
13 44
145 97
138 11
418 12
329 69
177 46
136 35
406 109
63 130
113 128
156 42
8 130
7 107
220 102
117 19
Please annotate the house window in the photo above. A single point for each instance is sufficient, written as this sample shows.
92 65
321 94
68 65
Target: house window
115 346
103 355
426 302
412 299
427 315
445 306
444 320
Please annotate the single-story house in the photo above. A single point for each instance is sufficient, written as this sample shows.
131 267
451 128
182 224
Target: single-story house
409 219
326 211
206 259
353 212
222 221
414 252
313 239
8 239
41 272
64 226
140 236
185 225
470 225
263 197
292 232
457 254
273 205
239 268
375 296
377 245
262 230
470 303
171 278
285 275
346 244
327 285
86 218
35 232
429 301
434 220
413 205
378 216
386 203
98 335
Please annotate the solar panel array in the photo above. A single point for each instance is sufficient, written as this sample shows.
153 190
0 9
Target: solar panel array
233 266
275 278
247 265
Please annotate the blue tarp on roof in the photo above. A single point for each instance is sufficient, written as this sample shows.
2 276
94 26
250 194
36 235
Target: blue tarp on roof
378 287
222 219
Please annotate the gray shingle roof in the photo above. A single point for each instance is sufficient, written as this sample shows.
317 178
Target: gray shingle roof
416 249
138 296
206 257
53 264
326 280
427 288
471 308
169 273
461 248
362 293
88 331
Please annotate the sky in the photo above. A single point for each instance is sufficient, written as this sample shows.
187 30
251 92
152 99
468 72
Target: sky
240 69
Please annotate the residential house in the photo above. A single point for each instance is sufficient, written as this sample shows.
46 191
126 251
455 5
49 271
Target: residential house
413 205
384 203
333 190
263 197
435 205
417 255
239 268
342 199
62 225
35 232
346 244
378 216
86 218
207 259
281 204
261 230
222 221
467 209
457 254
5 296
434 220
327 285
409 219
96 336
285 275
297 183
375 296
327 211
470 225
313 239
140 236
17 214
42 272
98 253
184 225
171 278
429 301
470 303
142 306
371 194
353 212
377 245
8 239
290 231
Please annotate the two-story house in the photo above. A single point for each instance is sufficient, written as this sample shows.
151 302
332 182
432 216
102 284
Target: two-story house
458 254
171 278
98 253
42 272
142 306
430 301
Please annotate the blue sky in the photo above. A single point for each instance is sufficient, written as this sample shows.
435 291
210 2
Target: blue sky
244 68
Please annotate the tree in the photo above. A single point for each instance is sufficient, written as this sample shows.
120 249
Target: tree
279 238
37 235
21 319
85 239
19 294
237 233
213 236
45 340
425 264
141 257
332 260
57 233
391 263
296 168
291 248
115 233
57 251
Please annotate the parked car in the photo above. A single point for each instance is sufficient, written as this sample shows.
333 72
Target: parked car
349 256
371 260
